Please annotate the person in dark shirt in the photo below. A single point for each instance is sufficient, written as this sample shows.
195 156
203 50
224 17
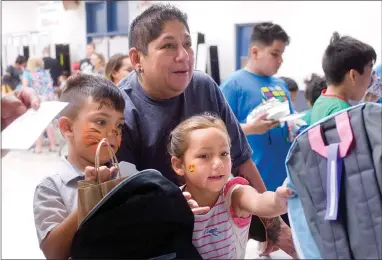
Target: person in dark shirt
164 90
85 64
16 70
52 65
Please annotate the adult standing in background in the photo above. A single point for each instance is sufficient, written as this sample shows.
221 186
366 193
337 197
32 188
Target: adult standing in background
39 79
163 90
52 65
118 67
16 70
98 62
85 64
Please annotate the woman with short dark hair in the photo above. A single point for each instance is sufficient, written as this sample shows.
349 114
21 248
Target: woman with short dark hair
163 90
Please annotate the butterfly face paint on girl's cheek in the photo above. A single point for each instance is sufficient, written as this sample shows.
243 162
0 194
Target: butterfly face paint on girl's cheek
191 167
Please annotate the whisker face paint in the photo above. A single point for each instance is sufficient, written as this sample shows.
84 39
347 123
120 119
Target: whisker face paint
191 167
91 136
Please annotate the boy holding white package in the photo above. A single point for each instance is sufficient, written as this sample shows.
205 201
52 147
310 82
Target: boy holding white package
95 111
247 88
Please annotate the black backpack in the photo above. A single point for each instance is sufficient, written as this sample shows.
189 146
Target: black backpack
145 216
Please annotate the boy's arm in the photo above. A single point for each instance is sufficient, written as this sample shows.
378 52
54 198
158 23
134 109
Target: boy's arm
57 243
54 225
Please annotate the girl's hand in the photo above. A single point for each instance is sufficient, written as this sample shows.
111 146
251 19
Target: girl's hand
281 199
194 205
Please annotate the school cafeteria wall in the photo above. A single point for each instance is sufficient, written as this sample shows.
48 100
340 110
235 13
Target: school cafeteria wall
27 16
310 25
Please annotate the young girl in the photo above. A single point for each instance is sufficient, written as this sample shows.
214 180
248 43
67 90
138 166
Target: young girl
199 149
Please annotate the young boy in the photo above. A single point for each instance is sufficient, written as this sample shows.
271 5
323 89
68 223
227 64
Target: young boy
348 65
313 88
247 88
95 111
292 88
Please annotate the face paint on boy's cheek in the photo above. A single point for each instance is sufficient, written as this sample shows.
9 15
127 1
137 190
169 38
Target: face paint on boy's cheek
118 136
92 137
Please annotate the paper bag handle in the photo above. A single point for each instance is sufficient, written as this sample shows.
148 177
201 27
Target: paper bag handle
112 156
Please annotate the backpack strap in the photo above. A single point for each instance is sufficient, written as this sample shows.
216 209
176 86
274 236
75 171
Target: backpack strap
334 153
344 131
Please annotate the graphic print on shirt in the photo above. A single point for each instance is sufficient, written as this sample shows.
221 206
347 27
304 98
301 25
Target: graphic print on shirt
42 83
276 92
213 232
215 236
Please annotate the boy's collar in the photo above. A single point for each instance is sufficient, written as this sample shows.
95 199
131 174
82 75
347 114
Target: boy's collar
75 173
323 92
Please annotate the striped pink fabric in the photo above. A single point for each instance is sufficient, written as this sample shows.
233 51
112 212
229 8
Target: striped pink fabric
214 234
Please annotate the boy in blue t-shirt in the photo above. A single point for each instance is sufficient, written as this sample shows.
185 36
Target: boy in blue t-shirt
247 88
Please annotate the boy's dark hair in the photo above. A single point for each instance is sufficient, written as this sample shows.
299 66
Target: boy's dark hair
21 60
148 25
79 87
343 54
267 32
292 85
314 87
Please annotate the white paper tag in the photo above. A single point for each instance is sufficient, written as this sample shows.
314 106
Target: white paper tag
25 130
127 169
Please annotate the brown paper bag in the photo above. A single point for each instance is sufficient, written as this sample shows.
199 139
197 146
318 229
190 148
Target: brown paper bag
90 192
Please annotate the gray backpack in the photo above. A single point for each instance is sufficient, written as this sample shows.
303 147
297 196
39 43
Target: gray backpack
335 167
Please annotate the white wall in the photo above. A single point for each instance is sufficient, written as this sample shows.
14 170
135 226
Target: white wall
17 16
25 16
309 24
72 30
